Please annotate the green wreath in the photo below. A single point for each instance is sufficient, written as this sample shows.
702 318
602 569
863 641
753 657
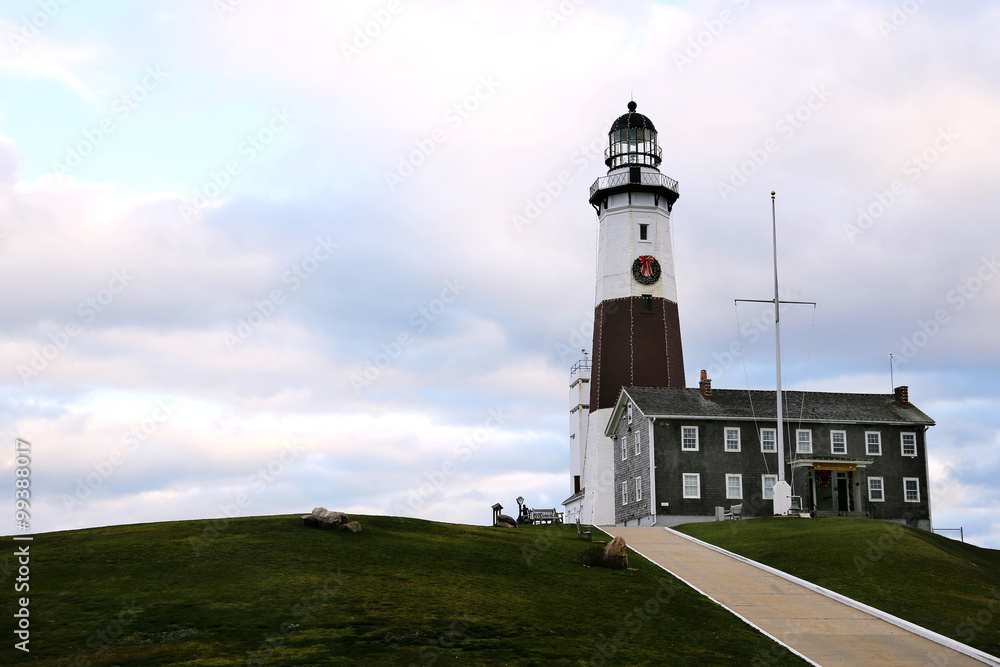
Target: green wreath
653 270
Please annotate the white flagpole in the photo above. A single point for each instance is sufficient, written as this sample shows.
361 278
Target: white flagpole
777 345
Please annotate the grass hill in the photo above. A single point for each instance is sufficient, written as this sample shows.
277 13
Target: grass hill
941 584
267 590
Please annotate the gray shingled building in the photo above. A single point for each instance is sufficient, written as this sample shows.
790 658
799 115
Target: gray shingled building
682 453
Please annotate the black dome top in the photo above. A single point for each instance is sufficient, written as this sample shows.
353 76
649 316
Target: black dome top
632 119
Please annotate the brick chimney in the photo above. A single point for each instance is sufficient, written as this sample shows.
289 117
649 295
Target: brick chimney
705 386
903 396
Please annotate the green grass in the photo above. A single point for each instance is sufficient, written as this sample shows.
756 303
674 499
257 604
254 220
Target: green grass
403 591
941 584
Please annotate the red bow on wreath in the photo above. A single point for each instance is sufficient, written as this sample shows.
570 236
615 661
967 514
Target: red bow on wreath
647 265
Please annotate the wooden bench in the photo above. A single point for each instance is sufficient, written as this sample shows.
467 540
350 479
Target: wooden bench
582 534
545 516
734 512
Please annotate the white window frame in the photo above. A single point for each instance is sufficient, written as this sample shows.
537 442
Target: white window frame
765 490
625 492
881 489
624 442
683 438
833 449
738 478
878 443
906 492
774 440
798 441
725 432
638 489
638 443
697 481
629 410
902 443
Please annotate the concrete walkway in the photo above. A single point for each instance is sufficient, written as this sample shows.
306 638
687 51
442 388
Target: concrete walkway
821 629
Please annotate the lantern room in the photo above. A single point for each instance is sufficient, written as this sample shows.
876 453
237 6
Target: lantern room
632 142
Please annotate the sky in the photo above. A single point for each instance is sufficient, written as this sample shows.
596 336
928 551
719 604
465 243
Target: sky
262 257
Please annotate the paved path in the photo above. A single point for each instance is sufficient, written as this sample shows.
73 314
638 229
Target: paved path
824 630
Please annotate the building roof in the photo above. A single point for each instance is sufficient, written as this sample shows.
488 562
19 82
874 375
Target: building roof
810 406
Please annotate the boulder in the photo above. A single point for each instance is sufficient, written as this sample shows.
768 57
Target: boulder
504 521
309 520
616 555
352 526
329 519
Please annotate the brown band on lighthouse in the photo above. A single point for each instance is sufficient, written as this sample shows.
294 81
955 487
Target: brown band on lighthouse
635 348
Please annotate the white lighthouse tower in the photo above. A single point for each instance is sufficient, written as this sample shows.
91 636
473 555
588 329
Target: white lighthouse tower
637 338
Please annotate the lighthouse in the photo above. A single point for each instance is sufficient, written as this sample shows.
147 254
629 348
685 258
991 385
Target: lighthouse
637 338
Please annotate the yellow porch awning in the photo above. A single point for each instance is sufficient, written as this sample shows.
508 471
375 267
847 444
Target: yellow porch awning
851 467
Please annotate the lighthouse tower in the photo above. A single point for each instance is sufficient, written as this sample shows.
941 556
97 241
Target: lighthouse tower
637 337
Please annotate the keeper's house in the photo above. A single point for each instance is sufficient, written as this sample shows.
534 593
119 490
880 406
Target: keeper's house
679 454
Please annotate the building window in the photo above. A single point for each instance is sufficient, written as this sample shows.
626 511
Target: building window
647 303
638 489
838 442
732 439
638 443
909 441
875 490
803 441
874 443
911 489
689 438
767 437
624 493
734 487
629 413
692 485
624 449
767 483
643 232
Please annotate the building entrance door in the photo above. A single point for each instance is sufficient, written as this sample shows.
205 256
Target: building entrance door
843 503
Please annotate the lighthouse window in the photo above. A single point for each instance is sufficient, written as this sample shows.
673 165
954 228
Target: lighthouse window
643 232
647 303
